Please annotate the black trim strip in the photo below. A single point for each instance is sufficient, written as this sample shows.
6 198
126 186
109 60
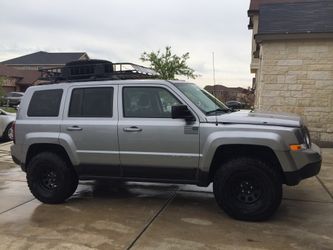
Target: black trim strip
144 174
138 179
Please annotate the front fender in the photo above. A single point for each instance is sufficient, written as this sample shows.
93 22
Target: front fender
220 138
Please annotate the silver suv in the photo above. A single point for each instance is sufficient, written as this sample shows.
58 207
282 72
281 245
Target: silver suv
159 131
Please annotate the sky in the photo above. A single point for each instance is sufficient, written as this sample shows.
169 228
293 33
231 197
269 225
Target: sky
121 30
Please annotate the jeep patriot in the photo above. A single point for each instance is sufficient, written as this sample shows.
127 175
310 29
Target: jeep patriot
159 131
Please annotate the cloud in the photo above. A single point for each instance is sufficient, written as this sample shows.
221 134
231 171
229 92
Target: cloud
122 30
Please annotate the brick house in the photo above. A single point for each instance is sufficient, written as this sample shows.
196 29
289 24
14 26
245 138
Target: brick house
225 94
17 80
21 72
42 60
292 59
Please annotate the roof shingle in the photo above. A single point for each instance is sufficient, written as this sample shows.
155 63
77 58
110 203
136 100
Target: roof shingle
46 58
296 18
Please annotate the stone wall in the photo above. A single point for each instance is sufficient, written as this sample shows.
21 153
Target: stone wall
297 76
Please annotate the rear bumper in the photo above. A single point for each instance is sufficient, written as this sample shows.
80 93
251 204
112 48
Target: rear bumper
15 153
313 160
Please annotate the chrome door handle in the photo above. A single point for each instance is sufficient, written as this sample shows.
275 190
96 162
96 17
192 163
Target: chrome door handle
74 128
132 129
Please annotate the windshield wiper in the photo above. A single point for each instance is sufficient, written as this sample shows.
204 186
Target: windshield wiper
218 110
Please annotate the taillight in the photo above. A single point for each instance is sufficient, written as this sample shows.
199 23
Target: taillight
13 128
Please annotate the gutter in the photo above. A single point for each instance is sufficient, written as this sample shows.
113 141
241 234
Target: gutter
292 36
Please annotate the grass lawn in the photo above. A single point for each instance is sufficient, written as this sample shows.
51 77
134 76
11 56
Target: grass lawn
9 109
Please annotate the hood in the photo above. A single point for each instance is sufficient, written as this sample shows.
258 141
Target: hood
259 118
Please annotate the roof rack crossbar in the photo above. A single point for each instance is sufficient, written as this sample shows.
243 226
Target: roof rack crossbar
87 70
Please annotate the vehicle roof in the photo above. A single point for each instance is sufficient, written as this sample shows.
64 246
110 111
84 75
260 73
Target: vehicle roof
106 82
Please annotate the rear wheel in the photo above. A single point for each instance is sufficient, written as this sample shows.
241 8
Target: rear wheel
248 189
50 178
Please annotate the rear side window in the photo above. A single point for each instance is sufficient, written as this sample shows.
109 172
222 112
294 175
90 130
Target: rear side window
45 103
91 102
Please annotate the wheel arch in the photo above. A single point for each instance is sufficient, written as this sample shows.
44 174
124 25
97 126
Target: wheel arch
224 153
37 148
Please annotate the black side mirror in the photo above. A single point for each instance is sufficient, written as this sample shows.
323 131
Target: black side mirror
182 112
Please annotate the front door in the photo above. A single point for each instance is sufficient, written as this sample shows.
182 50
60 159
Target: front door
151 143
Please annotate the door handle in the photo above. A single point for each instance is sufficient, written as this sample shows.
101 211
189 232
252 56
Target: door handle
132 129
74 128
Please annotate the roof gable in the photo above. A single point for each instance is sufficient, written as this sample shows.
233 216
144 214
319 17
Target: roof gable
46 58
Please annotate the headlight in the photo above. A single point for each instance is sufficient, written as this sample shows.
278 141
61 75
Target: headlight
306 136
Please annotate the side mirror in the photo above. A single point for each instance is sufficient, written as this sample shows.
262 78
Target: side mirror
182 112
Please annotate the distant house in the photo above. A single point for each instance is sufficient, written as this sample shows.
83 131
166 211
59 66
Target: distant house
292 59
21 72
17 80
225 94
42 60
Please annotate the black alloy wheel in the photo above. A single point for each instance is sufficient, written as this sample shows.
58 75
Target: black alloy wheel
248 189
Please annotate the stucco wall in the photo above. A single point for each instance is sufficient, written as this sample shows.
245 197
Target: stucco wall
297 76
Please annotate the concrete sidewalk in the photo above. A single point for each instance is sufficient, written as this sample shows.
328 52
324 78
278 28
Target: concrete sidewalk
108 215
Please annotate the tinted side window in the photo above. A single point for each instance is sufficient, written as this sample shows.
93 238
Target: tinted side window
45 103
91 102
148 102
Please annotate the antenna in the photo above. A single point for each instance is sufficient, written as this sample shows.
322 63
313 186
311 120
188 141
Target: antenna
214 90
214 80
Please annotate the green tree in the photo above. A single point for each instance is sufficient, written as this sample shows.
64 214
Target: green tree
169 65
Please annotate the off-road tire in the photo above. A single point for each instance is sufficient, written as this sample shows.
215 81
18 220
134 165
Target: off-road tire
51 179
6 136
248 189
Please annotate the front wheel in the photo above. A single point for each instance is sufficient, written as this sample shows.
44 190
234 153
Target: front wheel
50 178
248 189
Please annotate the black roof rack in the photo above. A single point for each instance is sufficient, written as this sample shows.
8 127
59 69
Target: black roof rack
88 70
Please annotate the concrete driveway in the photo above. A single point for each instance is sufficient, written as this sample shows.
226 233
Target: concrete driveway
109 215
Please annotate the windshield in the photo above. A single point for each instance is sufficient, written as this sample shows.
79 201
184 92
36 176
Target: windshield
205 101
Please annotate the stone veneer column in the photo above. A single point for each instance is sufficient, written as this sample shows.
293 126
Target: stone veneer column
297 76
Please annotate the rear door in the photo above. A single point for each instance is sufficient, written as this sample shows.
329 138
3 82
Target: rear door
90 124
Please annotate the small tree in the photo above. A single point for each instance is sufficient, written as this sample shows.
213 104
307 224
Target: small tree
168 65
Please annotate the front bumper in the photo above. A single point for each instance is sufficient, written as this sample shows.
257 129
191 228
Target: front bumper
311 163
